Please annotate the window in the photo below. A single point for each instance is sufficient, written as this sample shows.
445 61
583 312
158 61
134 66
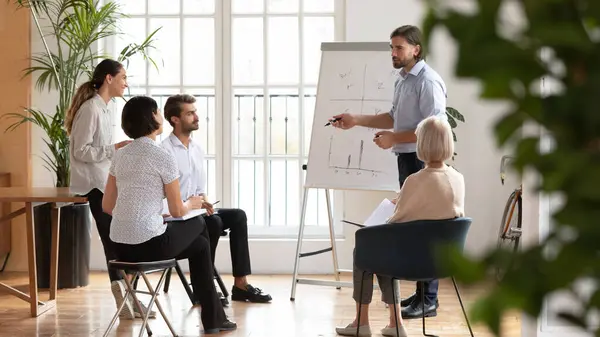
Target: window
253 67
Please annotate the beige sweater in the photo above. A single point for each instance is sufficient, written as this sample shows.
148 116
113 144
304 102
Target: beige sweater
431 194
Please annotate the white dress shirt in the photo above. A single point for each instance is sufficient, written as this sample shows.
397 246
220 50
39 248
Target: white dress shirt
90 146
141 169
190 163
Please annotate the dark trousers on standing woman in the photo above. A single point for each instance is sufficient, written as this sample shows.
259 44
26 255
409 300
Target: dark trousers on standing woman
236 221
103 221
408 163
184 240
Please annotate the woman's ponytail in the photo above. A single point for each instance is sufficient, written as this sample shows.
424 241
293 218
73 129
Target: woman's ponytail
86 91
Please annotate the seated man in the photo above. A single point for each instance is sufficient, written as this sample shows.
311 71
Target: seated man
180 112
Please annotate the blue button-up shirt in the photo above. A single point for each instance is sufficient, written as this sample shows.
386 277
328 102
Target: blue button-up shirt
418 94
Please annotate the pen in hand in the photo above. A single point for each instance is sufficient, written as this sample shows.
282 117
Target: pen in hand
333 120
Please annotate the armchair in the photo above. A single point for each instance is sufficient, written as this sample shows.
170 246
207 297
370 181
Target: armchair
407 251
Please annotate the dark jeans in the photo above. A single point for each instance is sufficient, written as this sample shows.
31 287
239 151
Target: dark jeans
103 224
184 240
408 163
235 220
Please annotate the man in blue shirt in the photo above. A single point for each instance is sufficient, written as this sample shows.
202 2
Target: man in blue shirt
419 93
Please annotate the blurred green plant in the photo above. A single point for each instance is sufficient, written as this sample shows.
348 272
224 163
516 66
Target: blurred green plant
78 28
559 44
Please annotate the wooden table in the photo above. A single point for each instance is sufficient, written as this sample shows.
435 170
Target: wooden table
33 196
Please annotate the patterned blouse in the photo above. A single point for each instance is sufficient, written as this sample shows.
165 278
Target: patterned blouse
141 169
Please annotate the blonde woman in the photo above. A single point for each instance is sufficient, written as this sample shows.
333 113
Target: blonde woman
435 192
89 125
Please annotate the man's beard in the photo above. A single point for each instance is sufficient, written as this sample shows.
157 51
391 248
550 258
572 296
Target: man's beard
190 128
399 64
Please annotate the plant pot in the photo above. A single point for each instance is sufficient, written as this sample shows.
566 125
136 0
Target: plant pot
74 245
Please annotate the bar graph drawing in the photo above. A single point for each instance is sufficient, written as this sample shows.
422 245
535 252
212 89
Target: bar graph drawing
349 164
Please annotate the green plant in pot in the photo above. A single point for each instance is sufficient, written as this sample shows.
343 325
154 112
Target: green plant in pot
77 28
556 48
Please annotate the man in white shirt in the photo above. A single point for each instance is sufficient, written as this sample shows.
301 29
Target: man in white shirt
180 112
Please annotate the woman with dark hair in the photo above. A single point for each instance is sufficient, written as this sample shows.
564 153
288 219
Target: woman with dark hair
140 176
89 126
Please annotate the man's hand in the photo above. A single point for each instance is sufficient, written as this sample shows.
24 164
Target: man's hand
208 207
384 139
344 121
195 202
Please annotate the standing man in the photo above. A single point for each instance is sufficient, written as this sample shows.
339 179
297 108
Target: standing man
419 93
181 113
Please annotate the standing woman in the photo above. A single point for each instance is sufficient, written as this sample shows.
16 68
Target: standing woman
89 126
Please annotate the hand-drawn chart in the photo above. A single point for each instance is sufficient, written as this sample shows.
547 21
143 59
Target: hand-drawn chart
361 83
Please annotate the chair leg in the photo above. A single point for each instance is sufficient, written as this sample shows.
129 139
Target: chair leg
155 300
135 279
423 309
125 299
221 284
168 280
362 280
186 285
462 306
395 307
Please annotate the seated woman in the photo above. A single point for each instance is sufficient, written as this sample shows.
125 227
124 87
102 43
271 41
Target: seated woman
140 175
436 192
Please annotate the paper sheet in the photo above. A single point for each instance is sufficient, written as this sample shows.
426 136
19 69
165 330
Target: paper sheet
189 215
380 215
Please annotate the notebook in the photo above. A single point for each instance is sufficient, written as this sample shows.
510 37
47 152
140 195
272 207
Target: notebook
189 214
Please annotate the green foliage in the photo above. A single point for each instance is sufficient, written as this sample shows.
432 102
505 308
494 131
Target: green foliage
78 27
453 116
510 68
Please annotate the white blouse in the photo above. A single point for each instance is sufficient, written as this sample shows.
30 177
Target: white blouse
91 146
141 169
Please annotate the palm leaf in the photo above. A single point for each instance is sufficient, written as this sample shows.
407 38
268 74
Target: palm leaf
77 27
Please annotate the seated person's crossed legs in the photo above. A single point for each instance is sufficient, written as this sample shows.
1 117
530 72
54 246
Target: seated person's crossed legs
236 222
185 240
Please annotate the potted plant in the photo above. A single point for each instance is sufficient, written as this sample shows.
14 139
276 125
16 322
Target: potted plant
553 42
77 28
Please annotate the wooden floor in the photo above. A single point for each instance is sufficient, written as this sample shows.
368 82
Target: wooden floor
317 311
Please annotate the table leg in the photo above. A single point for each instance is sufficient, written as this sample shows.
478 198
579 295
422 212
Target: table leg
54 252
37 307
33 289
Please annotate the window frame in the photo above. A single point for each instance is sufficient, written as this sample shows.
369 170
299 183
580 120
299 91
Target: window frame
224 90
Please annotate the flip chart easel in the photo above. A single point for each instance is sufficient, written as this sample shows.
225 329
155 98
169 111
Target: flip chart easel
358 78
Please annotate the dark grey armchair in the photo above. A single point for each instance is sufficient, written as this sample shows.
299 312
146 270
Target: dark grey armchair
407 251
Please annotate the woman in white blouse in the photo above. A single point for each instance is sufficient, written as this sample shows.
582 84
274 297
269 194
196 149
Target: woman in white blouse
88 123
141 174
436 192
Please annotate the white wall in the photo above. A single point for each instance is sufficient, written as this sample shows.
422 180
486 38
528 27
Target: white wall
478 159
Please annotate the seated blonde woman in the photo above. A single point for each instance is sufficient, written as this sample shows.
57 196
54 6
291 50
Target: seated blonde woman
434 193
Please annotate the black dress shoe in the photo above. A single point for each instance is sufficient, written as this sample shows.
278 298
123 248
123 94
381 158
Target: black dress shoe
251 294
226 326
414 310
407 301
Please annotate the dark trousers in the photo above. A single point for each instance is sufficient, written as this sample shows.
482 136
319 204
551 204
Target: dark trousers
236 221
103 225
184 240
408 163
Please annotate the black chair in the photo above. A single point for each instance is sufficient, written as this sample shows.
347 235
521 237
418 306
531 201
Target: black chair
408 251
136 269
